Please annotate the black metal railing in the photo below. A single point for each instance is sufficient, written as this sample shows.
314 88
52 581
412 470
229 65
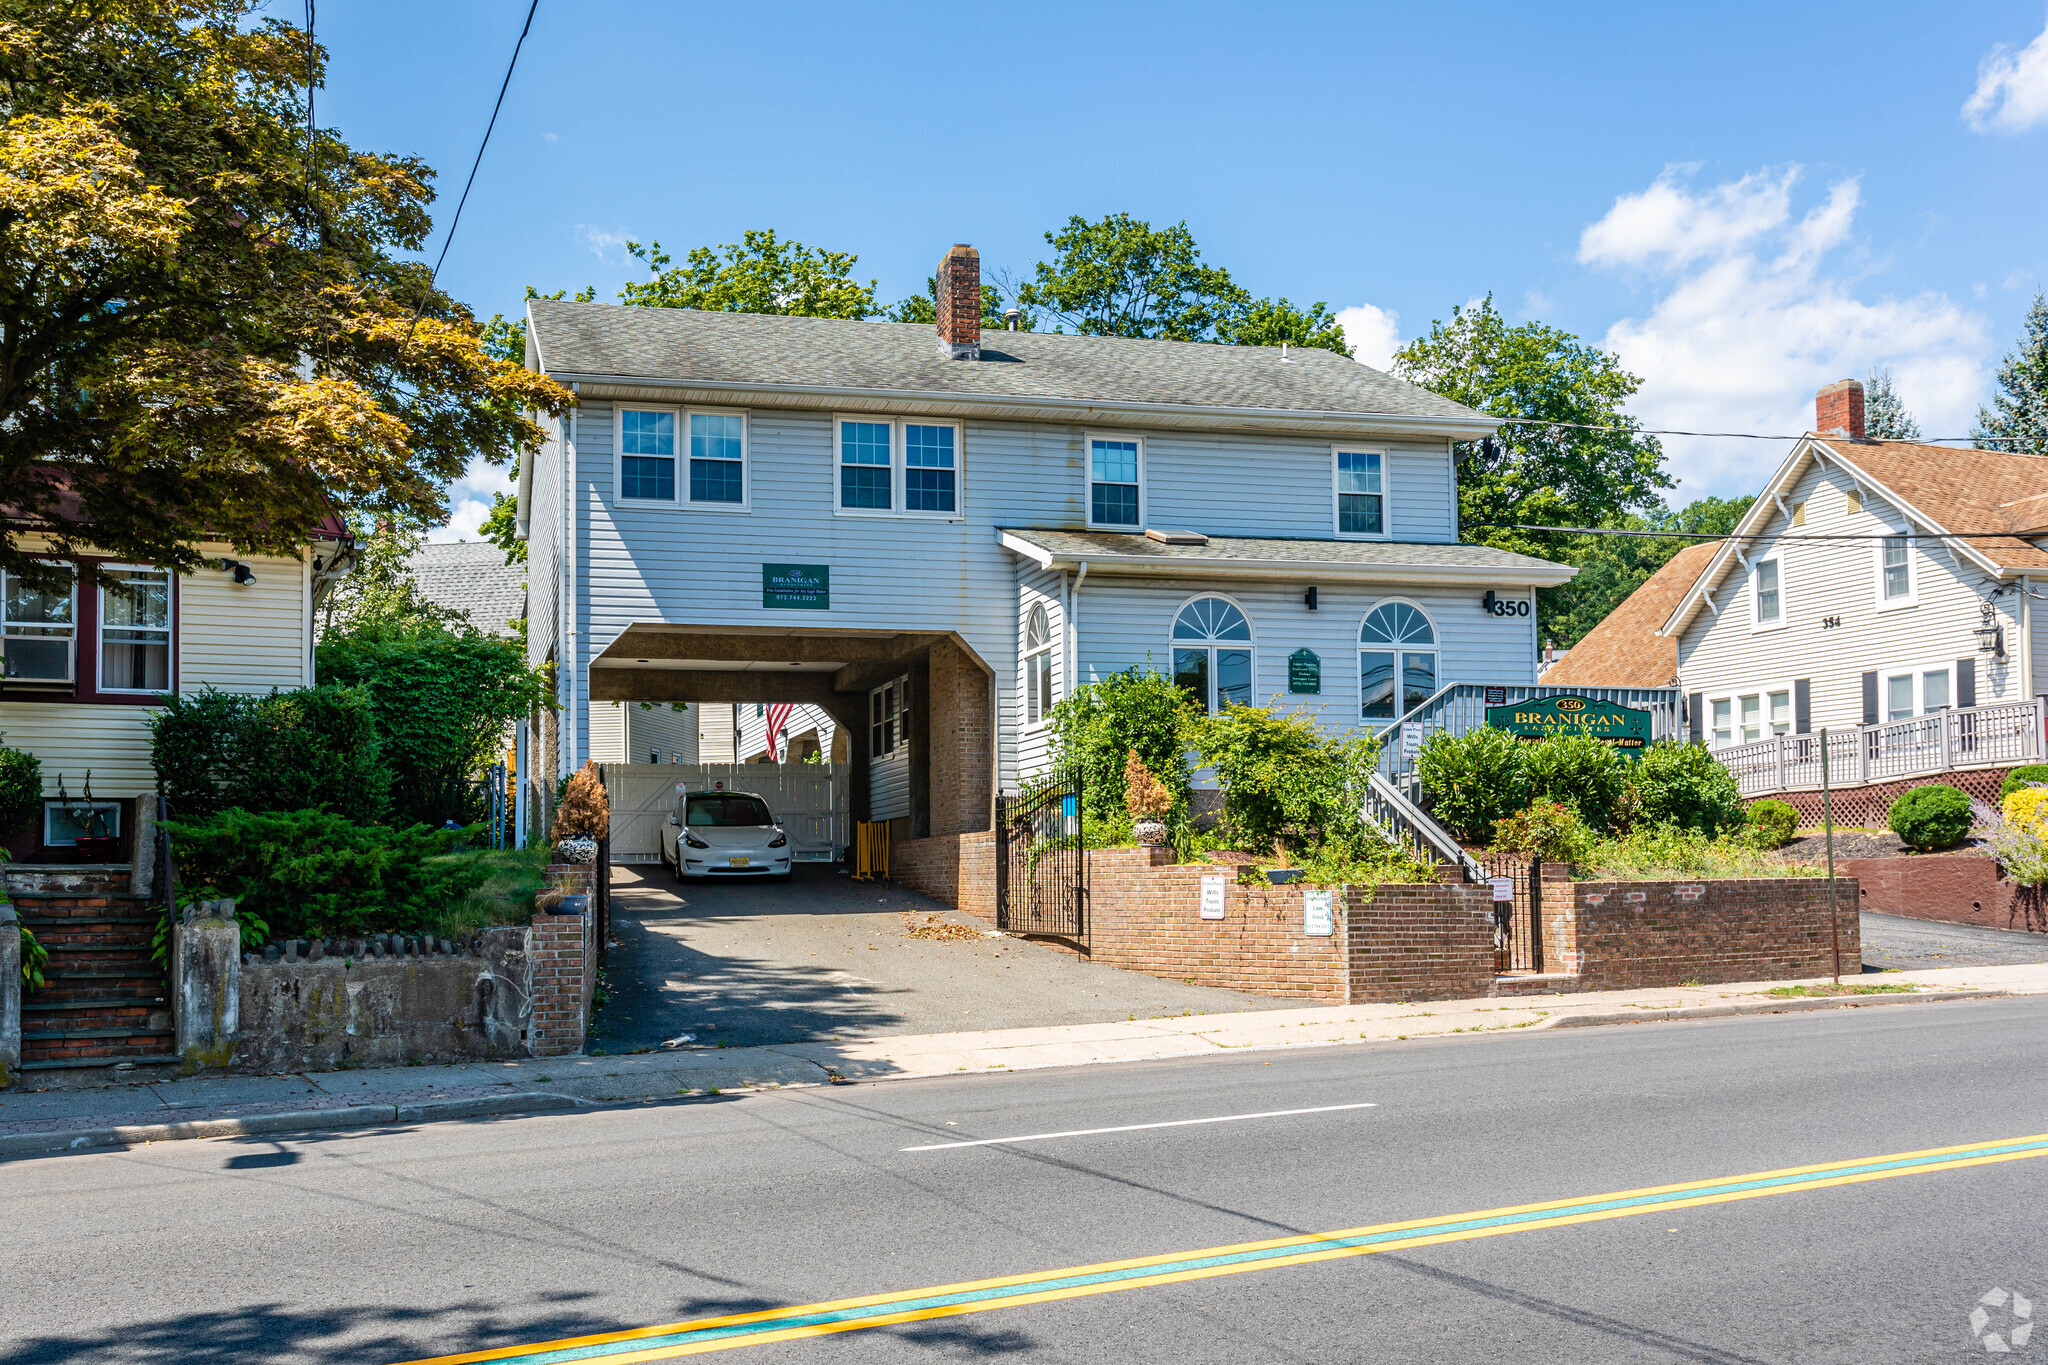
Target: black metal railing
1518 920
1042 860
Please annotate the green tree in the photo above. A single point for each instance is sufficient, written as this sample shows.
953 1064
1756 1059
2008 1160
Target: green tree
210 329
761 273
1269 322
1098 724
1884 416
501 527
2018 411
1538 471
380 590
1613 566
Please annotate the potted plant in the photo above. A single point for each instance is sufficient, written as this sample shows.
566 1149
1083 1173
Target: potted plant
1148 801
583 816
96 843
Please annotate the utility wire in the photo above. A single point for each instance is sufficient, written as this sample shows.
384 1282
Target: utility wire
1731 435
1754 535
456 221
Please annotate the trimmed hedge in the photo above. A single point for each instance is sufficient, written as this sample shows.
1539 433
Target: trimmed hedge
1775 822
2021 778
1931 817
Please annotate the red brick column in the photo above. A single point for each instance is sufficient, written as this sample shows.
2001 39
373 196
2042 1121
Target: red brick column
1560 919
563 961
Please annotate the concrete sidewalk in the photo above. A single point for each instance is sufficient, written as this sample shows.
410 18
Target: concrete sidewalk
152 1109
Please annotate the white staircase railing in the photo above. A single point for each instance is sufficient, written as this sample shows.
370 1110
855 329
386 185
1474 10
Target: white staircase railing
1994 736
1386 803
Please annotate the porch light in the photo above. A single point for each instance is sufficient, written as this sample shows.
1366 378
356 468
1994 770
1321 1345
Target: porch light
1990 639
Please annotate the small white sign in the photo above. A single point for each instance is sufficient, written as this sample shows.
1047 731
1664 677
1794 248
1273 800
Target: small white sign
1503 888
682 789
1411 738
1316 919
1212 897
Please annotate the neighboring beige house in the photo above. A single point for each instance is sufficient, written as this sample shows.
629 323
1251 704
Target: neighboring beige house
85 669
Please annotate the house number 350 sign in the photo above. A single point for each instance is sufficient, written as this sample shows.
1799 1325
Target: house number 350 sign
1500 604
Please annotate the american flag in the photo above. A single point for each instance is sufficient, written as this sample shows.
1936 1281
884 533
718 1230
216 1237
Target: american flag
778 717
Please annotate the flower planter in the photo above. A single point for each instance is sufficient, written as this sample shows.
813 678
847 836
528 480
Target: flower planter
1150 833
577 850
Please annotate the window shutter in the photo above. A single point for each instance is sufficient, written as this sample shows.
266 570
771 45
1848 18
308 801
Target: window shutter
1802 703
1966 682
1695 706
1870 698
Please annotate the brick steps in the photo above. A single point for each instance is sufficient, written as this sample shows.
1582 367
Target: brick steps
1534 983
104 1000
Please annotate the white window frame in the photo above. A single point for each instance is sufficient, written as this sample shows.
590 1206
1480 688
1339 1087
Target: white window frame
100 628
1912 594
1175 643
899 467
1038 665
680 458
1762 692
898 690
1918 673
1359 646
51 806
683 498
1088 440
1386 531
71 677
1756 620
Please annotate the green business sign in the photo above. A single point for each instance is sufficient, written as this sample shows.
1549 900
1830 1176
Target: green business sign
1304 673
801 587
1623 727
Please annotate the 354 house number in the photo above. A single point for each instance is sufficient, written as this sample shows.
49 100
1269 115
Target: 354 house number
1495 604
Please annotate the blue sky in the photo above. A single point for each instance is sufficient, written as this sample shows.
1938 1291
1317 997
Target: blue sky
1746 201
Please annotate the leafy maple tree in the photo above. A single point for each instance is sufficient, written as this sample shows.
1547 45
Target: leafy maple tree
760 273
210 329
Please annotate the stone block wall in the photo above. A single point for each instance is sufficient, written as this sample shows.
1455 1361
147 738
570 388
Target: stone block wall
1626 935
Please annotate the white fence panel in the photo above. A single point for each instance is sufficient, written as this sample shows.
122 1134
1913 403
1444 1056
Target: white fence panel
811 801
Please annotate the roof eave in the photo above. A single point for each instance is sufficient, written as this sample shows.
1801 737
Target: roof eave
1536 572
824 395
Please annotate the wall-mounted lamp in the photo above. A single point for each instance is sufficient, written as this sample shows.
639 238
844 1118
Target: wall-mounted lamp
1309 599
244 575
1990 635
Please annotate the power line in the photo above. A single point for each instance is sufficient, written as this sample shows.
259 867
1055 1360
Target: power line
1730 435
456 221
1754 535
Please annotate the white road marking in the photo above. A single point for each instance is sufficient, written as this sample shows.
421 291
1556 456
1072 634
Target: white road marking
1135 1127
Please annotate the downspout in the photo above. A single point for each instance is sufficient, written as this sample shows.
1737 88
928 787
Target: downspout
1073 668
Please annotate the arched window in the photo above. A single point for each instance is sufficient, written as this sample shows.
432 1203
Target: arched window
1212 654
1396 661
1038 696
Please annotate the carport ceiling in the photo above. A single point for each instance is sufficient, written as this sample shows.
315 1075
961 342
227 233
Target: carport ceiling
700 648
721 665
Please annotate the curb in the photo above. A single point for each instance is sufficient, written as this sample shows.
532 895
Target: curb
293 1121
1790 1005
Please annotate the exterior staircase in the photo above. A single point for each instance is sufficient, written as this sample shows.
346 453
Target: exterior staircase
104 1001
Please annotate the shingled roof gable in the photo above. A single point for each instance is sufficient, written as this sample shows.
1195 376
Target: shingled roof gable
1624 649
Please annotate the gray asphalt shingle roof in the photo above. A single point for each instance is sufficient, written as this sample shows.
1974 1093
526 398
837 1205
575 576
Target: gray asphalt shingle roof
1224 551
472 577
751 348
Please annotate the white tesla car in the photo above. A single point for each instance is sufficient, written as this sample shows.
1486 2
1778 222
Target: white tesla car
724 834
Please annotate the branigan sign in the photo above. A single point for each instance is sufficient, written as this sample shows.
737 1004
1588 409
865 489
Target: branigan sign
1623 727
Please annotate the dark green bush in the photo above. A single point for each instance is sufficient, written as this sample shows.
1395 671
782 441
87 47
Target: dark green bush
314 874
315 746
1685 786
1099 724
1581 772
1285 780
2021 778
1931 817
21 789
1775 822
1475 780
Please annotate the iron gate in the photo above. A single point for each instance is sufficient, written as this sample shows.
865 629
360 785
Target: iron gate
1042 860
1518 923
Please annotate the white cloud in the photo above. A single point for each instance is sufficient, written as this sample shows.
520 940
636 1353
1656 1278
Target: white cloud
469 500
1754 311
607 246
1373 333
2012 88
552 139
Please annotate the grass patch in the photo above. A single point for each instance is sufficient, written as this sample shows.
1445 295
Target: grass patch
513 876
1796 992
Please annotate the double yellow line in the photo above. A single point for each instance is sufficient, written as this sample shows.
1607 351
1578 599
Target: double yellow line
696 1337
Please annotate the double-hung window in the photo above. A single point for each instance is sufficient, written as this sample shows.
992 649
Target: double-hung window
1361 492
647 455
1037 665
38 630
1116 482
718 459
1724 722
885 716
890 465
710 447
1770 599
1895 570
135 630
1929 688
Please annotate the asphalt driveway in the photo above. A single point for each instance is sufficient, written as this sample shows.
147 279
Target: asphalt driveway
824 956
1909 944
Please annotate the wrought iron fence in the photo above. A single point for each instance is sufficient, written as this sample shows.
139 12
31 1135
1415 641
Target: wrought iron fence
1517 921
1042 860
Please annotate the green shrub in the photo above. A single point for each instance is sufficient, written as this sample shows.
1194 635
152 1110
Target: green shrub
1671 853
21 789
34 957
440 699
1098 726
1547 831
1285 780
1685 786
1931 817
1580 772
314 874
1774 823
1475 779
315 746
2020 778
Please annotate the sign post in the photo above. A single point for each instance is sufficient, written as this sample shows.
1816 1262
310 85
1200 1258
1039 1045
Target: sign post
1620 727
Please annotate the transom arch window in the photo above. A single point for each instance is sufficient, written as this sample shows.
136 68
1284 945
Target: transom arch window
1212 653
1038 695
1397 651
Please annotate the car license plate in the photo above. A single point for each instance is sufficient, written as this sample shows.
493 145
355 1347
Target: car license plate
737 862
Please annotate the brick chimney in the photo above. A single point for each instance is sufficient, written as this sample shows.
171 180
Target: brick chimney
1838 410
959 305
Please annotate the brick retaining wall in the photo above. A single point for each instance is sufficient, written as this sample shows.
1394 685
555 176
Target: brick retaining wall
1954 888
564 967
1624 935
959 869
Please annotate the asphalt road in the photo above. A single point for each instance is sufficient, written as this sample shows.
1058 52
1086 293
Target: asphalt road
385 1246
1909 944
823 956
